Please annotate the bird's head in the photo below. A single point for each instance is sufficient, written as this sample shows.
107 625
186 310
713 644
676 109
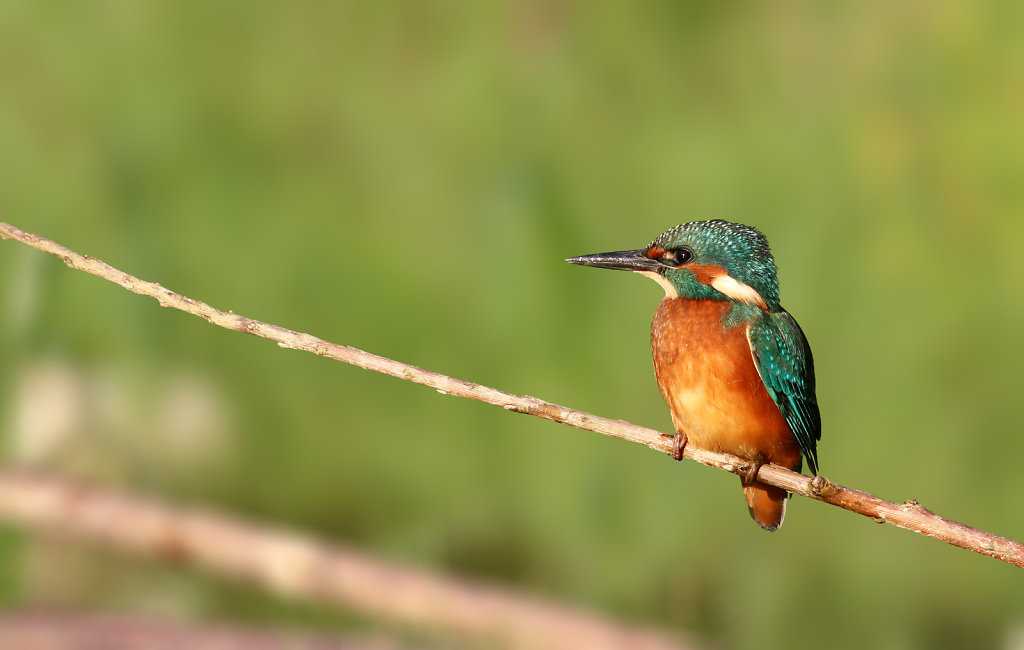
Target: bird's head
715 260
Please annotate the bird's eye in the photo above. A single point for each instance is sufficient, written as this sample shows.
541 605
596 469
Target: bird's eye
676 256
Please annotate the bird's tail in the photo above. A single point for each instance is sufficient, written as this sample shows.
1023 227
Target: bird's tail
767 504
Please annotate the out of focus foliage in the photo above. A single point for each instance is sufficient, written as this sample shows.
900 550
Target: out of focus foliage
407 177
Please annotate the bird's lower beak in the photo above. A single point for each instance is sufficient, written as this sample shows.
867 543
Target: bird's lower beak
622 260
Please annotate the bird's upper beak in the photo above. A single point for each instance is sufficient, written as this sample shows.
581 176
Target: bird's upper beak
622 260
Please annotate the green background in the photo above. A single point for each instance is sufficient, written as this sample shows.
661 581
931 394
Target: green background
406 177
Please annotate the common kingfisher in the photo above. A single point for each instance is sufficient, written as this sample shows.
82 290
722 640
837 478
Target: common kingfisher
732 364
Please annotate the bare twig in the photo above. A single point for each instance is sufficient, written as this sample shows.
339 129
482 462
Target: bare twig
910 515
296 566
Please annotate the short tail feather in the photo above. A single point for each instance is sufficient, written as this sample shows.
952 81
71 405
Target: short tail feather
767 504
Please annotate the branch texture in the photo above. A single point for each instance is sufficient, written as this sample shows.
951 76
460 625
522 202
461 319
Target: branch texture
909 515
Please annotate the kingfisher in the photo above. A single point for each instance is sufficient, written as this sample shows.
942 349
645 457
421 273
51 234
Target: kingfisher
733 366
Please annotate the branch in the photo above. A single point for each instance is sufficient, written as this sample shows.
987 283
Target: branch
292 565
909 515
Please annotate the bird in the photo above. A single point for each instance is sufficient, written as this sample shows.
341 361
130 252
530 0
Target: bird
733 366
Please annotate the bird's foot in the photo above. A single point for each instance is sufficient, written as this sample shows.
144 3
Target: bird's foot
678 445
748 472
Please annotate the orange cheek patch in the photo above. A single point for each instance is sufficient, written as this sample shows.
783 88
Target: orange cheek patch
706 273
655 252
718 278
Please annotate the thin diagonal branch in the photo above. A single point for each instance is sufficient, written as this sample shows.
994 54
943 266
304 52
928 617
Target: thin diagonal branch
909 515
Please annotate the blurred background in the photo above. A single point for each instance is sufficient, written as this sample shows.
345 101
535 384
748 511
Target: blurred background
407 177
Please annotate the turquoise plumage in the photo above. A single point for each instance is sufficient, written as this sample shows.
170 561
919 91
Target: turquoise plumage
784 361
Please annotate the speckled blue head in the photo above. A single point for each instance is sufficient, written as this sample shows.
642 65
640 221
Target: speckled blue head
712 260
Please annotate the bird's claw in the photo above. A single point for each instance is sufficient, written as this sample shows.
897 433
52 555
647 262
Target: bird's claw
748 472
678 445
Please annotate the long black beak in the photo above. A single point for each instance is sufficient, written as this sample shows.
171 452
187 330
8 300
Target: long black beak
621 260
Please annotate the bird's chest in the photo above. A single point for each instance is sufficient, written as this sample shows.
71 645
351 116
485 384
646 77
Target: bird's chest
707 376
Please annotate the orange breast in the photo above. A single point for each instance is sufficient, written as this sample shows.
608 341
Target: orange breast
707 376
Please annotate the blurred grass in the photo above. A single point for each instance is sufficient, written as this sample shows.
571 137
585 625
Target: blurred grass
407 177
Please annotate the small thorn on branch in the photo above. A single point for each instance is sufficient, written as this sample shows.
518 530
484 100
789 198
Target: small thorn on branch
913 505
822 488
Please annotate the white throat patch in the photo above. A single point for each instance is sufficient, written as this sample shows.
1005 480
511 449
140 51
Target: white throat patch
670 291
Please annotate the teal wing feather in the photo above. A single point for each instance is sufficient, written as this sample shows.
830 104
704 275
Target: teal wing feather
783 359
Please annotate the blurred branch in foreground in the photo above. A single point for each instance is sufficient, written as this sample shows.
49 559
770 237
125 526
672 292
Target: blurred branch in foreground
297 566
64 630
910 515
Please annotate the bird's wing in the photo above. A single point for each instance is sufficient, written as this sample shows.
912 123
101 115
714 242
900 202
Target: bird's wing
783 359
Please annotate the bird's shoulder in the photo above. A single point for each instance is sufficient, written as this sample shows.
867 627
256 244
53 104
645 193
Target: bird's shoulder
783 359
